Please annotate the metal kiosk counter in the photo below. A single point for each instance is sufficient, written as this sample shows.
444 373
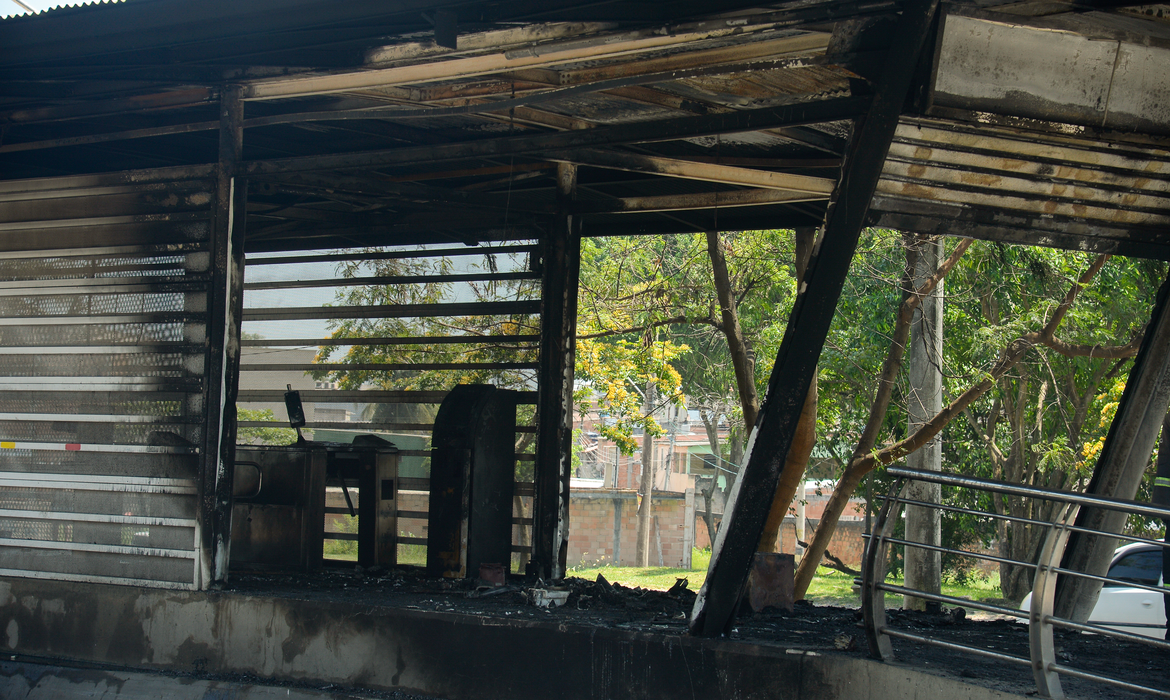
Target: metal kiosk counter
279 512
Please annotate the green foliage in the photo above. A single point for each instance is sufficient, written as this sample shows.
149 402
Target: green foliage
422 329
262 436
615 371
1044 422
343 549
644 299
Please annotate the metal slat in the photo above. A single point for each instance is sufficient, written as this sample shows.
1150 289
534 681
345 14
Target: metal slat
180 248
100 418
97 518
393 255
99 548
410 340
330 396
38 225
397 279
93 578
493 308
386 367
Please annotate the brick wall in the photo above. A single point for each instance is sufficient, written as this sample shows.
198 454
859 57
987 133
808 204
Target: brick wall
847 544
595 518
591 525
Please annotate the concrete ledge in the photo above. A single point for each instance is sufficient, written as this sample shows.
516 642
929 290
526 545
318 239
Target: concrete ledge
454 656
37 682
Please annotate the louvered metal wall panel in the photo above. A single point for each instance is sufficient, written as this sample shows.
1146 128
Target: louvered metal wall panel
103 315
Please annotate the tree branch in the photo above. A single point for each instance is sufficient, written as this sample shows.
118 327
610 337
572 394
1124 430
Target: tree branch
1107 352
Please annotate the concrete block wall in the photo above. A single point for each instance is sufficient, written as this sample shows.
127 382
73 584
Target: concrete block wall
592 526
848 543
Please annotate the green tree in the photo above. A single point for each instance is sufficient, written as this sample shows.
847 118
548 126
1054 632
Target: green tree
1003 355
262 435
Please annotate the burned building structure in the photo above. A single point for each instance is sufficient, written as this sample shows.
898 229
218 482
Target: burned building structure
152 151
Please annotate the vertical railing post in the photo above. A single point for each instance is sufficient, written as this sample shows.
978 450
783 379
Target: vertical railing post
1041 647
873 572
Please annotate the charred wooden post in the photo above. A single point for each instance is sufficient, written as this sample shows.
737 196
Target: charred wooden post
561 260
225 303
1119 469
796 361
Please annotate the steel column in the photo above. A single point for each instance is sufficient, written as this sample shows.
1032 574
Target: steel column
796 361
224 313
561 260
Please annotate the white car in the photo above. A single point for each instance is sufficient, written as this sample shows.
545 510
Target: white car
1124 607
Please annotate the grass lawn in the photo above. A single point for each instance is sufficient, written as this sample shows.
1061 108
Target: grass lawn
828 588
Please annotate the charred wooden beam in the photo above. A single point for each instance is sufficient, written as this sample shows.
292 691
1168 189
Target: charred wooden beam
796 361
1009 227
699 200
307 184
590 48
706 172
561 261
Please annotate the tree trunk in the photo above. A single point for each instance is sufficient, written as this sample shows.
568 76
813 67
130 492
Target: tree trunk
741 362
863 461
796 462
923 524
646 488
711 424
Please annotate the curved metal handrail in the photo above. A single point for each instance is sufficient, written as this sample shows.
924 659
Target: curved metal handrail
1042 660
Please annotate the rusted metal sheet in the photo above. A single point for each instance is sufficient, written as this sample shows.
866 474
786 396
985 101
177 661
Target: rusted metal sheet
279 501
996 176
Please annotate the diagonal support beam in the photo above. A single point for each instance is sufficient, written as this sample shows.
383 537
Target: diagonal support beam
1123 461
796 361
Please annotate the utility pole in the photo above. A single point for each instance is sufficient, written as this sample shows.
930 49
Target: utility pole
923 524
646 487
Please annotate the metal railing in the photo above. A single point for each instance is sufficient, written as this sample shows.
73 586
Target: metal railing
1042 656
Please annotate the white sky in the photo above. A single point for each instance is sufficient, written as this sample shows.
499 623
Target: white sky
9 8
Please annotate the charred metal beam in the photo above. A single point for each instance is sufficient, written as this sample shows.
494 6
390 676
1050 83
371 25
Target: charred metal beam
833 109
225 302
808 325
561 260
404 191
108 137
343 237
188 97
